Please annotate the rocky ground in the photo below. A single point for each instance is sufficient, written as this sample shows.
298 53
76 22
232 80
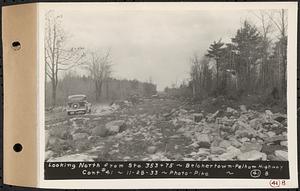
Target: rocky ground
166 129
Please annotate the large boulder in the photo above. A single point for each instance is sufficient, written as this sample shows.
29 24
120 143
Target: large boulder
231 153
275 139
114 127
231 110
217 150
243 108
225 144
228 128
269 112
59 132
283 143
212 117
281 118
255 124
244 133
271 133
282 155
235 142
48 154
252 155
80 136
270 149
151 149
100 131
198 117
250 146
203 140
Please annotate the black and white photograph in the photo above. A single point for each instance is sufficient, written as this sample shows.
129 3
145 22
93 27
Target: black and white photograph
165 84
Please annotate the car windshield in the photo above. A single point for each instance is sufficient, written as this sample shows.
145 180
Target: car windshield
77 98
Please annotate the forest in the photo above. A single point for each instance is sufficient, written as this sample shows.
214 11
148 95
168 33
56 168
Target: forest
253 63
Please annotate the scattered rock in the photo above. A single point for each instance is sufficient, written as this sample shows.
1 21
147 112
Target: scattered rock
48 154
188 134
231 110
283 143
115 127
270 149
212 117
217 150
53 141
243 108
228 128
235 142
100 131
203 152
243 133
255 124
284 133
225 144
151 149
93 138
203 140
198 117
244 139
252 156
250 146
230 154
178 157
268 112
273 158
275 139
271 133
282 155
194 144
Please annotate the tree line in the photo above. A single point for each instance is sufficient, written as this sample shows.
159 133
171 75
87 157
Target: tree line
111 90
254 62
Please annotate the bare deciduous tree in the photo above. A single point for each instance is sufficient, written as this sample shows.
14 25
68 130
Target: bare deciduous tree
266 28
58 56
281 24
100 69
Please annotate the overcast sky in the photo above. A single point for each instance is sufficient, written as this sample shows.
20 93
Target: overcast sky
156 44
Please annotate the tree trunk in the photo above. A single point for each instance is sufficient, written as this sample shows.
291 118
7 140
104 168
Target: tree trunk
98 87
96 91
217 67
53 93
284 63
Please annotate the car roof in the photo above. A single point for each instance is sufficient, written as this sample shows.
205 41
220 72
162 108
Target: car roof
76 96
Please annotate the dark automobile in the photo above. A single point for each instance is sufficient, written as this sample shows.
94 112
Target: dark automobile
78 104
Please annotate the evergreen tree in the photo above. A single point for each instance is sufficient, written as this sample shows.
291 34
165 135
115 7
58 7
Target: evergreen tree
247 42
215 51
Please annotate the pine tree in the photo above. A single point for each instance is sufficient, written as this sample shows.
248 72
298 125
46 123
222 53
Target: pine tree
248 44
215 51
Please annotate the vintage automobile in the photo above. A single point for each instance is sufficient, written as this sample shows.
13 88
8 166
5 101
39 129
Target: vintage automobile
78 104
